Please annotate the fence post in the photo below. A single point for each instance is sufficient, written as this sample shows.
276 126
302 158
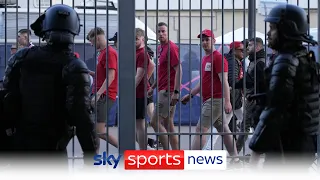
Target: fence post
126 74
318 140
251 18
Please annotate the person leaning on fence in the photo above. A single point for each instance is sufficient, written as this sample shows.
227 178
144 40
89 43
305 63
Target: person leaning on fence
101 100
169 89
212 112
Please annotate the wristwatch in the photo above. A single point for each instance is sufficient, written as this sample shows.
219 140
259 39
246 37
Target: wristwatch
191 95
176 91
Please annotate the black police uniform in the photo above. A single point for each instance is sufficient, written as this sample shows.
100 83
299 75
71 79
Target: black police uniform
288 126
53 90
254 75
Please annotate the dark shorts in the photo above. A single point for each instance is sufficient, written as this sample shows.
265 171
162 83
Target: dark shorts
104 105
140 108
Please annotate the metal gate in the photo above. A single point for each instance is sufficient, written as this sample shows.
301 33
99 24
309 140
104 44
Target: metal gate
229 21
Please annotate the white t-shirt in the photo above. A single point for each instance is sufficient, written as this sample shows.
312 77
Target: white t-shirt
247 62
91 81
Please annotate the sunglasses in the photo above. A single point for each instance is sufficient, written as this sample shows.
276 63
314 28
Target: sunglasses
241 50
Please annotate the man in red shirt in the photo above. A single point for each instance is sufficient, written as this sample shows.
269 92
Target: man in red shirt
214 79
100 98
142 63
168 88
150 104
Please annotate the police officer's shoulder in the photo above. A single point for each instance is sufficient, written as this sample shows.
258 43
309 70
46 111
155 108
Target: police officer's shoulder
18 56
76 65
286 58
21 53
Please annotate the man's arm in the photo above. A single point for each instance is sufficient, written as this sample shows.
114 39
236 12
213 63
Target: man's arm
92 73
78 105
151 68
112 66
10 74
226 89
279 95
154 85
10 99
139 75
218 63
195 90
111 76
281 84
178 77
175 63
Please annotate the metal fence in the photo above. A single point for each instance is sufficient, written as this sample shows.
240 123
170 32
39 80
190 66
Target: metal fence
219 16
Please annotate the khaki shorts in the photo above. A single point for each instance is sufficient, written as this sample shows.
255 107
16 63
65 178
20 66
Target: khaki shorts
103 106
163 105
212 113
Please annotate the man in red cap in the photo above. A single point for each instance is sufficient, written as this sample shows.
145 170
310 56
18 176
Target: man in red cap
235 73
213 97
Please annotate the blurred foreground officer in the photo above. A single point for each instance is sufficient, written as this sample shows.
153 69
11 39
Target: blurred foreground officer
288 127
53 89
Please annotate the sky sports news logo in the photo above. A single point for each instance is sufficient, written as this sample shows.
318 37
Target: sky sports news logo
167 160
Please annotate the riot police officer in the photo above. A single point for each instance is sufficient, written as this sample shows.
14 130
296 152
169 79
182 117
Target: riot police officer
52 86
288 126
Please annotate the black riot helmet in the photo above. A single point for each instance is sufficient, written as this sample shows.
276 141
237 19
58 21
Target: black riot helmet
292 22
59 24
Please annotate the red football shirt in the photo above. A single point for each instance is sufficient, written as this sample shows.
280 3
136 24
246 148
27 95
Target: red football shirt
163 65
211 67
142 61
102 71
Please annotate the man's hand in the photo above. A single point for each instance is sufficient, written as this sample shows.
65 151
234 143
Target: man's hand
174 99
150 92
94 100
185 99
92 73
228 107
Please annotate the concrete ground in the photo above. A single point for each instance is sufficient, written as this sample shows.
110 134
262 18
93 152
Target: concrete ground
75 154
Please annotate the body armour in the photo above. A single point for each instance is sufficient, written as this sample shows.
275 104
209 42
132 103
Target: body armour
53 91
292 99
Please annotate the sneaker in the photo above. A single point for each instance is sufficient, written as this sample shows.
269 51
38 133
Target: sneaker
247 158
151 142
156 145
150 148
